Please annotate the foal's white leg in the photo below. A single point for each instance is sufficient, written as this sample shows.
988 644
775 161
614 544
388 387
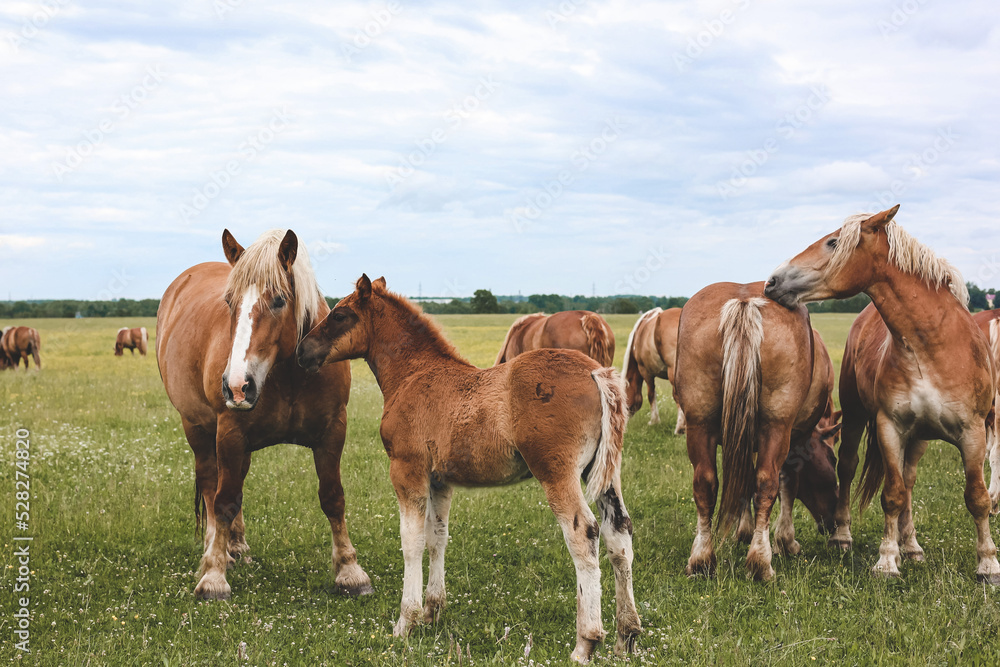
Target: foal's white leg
411 532
616 528
993 451
581 531
681 422
436 533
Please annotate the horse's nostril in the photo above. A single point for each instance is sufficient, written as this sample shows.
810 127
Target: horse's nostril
770 282
250 389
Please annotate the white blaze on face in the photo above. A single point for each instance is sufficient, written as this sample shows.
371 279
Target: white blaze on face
241 344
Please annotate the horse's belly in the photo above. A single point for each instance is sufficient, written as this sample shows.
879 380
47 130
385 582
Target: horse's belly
925 413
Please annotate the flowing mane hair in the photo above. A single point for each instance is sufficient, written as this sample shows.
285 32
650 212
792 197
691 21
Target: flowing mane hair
259 267
905 253
421 330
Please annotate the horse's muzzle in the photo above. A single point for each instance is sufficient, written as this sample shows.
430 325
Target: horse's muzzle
240 398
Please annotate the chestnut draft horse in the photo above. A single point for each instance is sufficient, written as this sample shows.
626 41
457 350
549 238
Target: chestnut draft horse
133 339
750 393
19 343
571 330
225 348
650 354
916 367
989 323
552 414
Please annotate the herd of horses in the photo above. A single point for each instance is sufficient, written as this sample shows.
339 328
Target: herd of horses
251 355
19 343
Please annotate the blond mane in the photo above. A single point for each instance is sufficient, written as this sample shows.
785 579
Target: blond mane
905 253
259 266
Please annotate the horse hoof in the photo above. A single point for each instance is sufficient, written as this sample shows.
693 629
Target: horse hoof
784 549
432 610
583 651
356 590
700 569
840 543
760 571
915 556
991 579
882 572
213 589
626 642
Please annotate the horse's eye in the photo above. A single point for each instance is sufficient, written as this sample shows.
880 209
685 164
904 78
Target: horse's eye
832 243
279 302
338 317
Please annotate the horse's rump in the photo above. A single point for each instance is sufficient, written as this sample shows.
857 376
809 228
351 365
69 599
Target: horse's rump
512 346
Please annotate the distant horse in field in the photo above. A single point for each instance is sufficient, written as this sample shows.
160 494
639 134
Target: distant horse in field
650 354
751 378
19 343
552 414
571 330
916 367
132 339
225 346
989 323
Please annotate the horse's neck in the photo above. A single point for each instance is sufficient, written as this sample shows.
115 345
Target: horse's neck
920 318
400 350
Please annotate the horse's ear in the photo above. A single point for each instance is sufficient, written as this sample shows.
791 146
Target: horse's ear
232 249
288 249
838 415
364 287
830 432
880 220
379 282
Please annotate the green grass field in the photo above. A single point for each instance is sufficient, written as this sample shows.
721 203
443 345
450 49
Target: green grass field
115 550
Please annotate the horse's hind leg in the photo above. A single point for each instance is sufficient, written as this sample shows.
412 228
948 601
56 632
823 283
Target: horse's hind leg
785 543
436 535
409 479
701 446
977 500
616 528
908 545
771 454
581 532
853 428
654 409
350 578
681 426
745 528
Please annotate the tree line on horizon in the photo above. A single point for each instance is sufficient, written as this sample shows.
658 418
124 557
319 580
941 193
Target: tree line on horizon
482 302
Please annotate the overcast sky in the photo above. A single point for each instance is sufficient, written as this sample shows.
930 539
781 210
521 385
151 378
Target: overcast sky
574 146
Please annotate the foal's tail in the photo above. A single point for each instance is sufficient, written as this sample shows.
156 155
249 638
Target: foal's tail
873 470
741 326
614 417
600 339
35 346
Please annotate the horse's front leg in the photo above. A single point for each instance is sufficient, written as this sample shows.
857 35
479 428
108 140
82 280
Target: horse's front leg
785 543
409 478
230 453
350 578
892 448
436 535
909 547
238 547
977 500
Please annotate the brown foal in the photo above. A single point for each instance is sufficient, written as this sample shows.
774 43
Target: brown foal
570 330
552 414
650 354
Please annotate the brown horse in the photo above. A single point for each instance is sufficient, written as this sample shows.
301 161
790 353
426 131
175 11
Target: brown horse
650 354
19 343
133 339
552 414
571 330
989 323
750 393
916 367
225 347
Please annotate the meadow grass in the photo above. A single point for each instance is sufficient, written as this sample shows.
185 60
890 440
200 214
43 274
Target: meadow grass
115 550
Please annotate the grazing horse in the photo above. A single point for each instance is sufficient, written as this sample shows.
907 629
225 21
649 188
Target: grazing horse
552 414
749 392
133 339
650 354
916 367
989 323
225 346
19 343
571 330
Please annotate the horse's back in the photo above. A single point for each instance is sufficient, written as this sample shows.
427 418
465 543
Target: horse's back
191 322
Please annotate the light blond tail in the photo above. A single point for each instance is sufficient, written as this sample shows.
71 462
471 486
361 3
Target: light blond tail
742 328
598 336
614 418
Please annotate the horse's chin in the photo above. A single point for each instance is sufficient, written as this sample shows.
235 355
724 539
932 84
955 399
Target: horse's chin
242 406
